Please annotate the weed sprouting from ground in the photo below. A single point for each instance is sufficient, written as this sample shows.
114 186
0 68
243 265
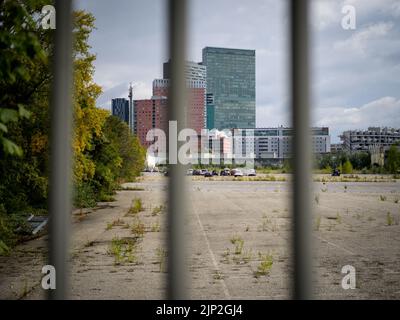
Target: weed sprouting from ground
238 242
157 210
123 250
117 222
138 228
265 266
136 206
382 198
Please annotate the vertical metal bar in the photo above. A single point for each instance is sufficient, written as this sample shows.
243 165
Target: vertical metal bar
61 134
177 181
301 150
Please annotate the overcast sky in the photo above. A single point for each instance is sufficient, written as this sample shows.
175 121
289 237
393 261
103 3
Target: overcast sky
355 73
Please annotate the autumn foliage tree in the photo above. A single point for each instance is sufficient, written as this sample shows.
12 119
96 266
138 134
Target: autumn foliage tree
105 152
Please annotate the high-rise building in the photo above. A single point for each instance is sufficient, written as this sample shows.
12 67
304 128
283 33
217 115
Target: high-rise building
210 111
120 109
196 77
152 113
193 71
231 79
149 114
195 110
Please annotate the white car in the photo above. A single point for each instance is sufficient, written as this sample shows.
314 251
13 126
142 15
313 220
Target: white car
251 172
238 173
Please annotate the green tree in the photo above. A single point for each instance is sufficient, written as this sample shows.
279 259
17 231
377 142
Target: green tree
347 167
393 160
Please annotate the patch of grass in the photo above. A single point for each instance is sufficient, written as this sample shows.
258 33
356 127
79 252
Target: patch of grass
109 226
238 242
123 250
157 210
161 257
382 198
138 228
265 266
117 222
316 198
345 187
247 229
136 206
396 200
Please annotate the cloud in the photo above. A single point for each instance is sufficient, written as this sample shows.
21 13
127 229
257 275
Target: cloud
361 41
381 112
351 69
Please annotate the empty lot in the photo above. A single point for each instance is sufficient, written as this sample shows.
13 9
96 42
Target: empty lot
239 244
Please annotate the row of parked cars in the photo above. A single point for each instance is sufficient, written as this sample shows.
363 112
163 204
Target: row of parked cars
225 172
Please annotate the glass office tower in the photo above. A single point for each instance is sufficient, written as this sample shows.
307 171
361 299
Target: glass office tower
231 79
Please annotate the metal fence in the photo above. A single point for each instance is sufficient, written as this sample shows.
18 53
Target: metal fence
61 154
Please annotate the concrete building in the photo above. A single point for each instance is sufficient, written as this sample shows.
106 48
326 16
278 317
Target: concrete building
231 80
275 143
120 109
193 71
373 137
336 147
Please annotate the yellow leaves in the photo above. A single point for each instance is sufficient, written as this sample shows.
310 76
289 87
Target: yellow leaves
39 143
84 168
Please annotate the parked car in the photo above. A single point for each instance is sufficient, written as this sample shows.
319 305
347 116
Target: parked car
208 174
189 172
335 173
196 172
203 171
225 172
251 173
238 173
214 172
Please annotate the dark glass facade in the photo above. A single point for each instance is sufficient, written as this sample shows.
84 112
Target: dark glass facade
231 79
120 109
